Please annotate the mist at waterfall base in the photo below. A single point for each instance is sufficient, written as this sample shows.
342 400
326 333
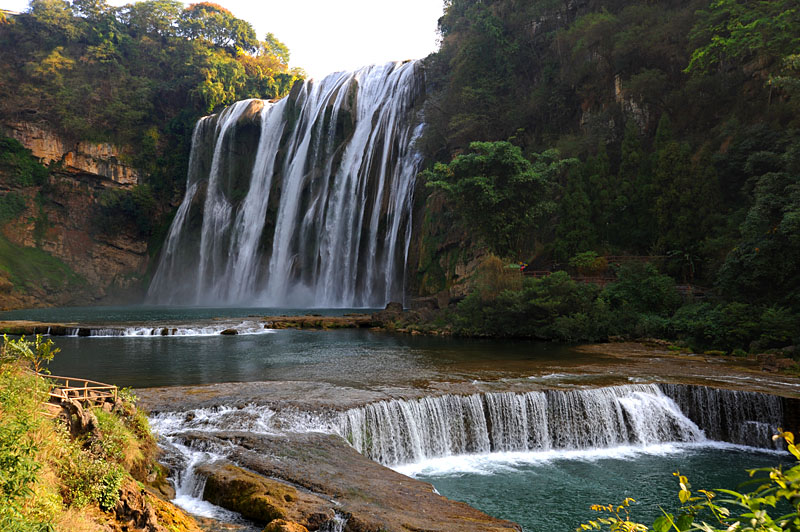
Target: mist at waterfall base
304 202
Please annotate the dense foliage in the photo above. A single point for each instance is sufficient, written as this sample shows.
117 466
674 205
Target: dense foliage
138 75
683 116
501 195
47 474
642 303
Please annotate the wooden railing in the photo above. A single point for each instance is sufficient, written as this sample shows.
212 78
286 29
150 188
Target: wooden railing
87 392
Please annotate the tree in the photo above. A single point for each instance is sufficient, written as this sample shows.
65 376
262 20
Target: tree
272 46
152 17
731 30
574 232
501 196
37 353
219 27
765 264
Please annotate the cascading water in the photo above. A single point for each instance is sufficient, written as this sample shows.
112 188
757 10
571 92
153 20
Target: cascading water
403 431
302 202
406 431
746 418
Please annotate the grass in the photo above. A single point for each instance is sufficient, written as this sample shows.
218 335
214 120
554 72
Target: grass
51 480
28 267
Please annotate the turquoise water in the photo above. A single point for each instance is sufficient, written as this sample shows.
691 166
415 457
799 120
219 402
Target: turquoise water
554 492
347 357
543 492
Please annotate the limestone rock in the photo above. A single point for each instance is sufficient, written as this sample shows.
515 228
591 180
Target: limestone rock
101 160
279 525
259 498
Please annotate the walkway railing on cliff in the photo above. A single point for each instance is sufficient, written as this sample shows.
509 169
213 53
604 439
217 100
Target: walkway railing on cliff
85 391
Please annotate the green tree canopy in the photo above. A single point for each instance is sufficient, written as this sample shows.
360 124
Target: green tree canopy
501 196
217 25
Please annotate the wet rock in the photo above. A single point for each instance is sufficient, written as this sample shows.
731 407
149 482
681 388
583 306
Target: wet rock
229 332
374 496
170 516
279 525
259 498
394 307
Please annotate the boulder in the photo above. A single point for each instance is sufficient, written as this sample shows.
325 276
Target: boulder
394 306
280 525
261 499
229 332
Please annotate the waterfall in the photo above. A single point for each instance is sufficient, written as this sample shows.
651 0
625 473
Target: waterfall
746 418
302 202
404 431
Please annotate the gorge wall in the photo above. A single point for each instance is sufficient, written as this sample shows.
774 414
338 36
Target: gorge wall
52 248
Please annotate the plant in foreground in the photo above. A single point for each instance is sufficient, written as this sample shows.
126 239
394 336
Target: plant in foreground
722 510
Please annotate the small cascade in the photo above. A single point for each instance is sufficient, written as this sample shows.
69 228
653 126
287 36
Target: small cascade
402 431
302 202
746 418
336 524
239 328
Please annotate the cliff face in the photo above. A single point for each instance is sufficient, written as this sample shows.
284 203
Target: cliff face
53 251
102 161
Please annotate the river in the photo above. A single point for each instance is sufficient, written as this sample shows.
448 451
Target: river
542 486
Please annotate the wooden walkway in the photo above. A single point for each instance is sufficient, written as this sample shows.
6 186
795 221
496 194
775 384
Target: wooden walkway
87 392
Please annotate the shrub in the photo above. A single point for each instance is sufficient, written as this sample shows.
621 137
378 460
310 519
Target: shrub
18 161
640 288
118 207
722 510
11 206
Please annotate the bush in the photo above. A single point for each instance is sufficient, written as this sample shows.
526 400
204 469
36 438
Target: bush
20 398
722 510
18 161
640 288
118 207
550 308
11 206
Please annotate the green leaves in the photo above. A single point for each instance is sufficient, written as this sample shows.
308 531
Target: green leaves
737 512
500 195
732 29
36 354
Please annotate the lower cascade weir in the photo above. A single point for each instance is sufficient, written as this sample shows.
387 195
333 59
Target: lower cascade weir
304 202
405 431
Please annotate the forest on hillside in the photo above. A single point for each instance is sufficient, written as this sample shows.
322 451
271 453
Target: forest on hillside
564 132
140 76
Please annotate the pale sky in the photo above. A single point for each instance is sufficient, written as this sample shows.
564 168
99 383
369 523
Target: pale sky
326 36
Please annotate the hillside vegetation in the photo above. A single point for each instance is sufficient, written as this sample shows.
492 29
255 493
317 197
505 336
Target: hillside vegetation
94 470
565 130
139 75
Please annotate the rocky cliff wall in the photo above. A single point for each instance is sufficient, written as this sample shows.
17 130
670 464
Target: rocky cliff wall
103 161
54 253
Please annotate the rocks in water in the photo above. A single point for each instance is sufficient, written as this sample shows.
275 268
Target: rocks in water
229 332
372 496
394 306
262 499
279 525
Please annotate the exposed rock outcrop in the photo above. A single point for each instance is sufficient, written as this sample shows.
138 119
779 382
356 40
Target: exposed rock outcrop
101 160
262 499
373 497
59 219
